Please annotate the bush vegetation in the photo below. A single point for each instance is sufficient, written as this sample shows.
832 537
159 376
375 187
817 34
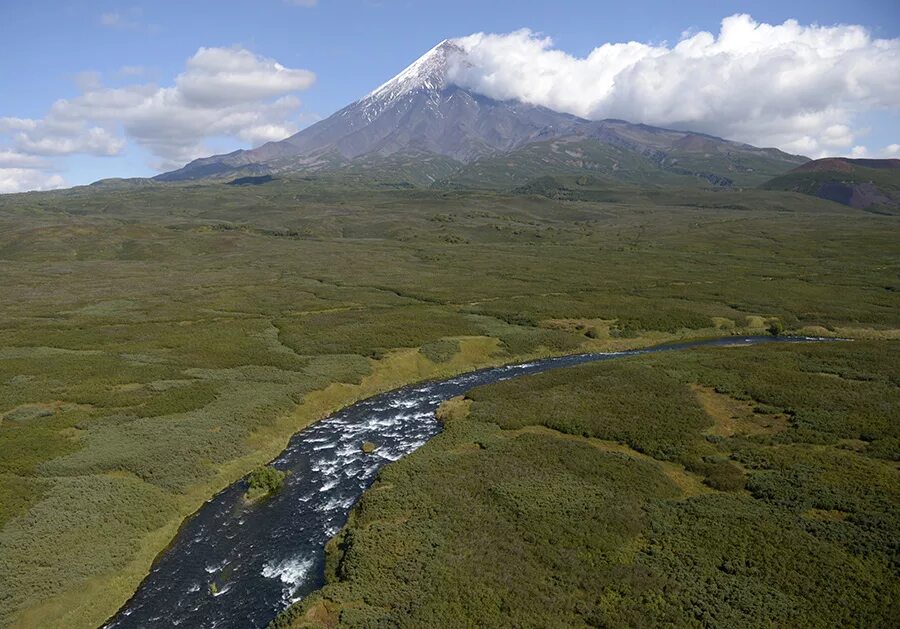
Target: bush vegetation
263 481
776 327
498 523
440 351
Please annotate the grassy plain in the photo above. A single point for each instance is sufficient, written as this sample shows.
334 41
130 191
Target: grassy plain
158 342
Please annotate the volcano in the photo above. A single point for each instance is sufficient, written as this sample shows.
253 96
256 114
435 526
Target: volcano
423 126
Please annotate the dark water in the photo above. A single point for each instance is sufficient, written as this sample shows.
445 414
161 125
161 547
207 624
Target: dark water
263 558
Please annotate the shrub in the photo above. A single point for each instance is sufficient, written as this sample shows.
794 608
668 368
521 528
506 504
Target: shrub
264 481
440 351
724 476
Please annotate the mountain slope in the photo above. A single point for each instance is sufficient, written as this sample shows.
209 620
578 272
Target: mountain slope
635 154
859 183
421 127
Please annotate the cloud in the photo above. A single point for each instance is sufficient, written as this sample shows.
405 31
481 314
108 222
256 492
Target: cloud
53 136
223 92
22 179
887 152
234 75
788 85
262 133
87 80
91 141
307 4
14 159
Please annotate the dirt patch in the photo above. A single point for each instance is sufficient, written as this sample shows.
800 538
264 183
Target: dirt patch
736 417
454 409
323 614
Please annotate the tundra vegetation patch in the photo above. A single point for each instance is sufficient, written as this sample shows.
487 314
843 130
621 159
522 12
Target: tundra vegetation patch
523 513
159 342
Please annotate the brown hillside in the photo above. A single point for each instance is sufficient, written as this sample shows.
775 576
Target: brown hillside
844 164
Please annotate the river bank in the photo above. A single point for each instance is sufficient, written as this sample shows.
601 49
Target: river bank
250 574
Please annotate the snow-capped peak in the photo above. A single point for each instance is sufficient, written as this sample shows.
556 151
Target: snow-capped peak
430 72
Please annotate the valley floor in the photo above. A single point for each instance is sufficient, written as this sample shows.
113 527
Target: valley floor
158 342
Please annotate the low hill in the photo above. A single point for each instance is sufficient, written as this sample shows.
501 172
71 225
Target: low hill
859 183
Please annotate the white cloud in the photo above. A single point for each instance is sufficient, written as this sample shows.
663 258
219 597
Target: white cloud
838 135
223 92
308 4
260 134
234 75
52 136
60 137
14 159
891 151
789 85
9 123
87 80
22 179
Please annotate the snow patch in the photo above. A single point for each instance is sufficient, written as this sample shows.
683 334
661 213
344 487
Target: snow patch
429 72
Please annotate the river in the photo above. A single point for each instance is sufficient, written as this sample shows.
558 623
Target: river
237 566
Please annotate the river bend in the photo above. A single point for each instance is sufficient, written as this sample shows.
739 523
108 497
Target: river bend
236 567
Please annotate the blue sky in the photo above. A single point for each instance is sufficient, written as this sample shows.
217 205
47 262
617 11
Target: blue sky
351 46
